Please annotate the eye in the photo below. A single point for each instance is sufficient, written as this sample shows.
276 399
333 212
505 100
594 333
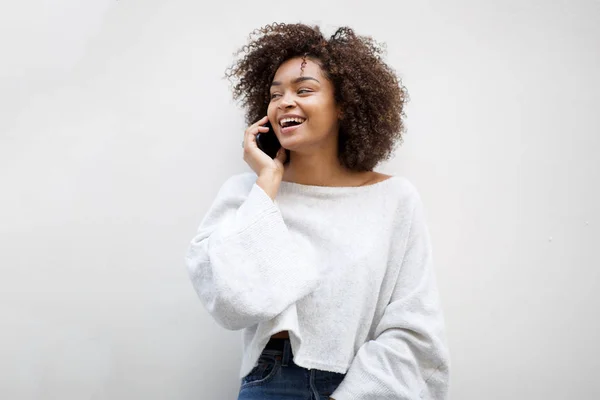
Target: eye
300 91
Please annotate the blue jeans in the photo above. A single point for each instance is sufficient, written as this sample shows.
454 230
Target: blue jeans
277 377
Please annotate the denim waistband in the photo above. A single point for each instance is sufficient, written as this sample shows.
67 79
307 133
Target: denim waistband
280 347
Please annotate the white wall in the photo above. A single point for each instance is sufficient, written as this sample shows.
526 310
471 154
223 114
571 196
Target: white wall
116 130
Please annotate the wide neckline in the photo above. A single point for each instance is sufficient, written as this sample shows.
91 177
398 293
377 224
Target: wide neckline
300 187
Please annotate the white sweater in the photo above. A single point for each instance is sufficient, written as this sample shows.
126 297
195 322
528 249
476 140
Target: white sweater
346 270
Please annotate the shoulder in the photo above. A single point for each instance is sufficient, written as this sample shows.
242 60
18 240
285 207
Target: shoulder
404 190
406 199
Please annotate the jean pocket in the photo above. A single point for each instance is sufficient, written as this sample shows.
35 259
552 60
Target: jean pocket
268 365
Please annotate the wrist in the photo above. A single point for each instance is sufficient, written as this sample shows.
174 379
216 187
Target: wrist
270 174
269 182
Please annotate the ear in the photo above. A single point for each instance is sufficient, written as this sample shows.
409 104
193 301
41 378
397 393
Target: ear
340 113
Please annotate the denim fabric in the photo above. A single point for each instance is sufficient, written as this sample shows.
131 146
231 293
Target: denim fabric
277 377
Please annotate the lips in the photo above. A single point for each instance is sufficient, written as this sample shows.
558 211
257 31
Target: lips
290 118
290 129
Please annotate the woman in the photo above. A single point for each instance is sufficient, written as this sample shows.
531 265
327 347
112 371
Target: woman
325 264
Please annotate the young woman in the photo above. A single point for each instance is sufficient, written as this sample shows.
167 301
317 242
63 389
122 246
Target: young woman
325 264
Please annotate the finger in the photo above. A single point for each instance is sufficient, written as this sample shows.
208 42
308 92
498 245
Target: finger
258 130
255 128
251 132
261 121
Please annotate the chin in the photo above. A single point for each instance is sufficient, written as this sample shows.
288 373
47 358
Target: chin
287 144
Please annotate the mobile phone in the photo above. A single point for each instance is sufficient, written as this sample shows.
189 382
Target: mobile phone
268 142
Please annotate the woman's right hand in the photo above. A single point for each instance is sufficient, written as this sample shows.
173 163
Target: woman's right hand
257 159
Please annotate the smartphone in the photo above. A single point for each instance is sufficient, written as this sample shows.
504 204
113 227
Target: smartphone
268 142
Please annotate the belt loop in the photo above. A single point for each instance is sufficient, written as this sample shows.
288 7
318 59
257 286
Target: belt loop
287 352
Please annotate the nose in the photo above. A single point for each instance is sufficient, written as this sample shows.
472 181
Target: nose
287 101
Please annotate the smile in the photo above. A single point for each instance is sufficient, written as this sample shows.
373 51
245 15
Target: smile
289 125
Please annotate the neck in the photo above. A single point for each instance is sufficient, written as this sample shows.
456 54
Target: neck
315 169
317 164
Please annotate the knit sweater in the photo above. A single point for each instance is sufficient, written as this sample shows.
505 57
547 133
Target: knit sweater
346 270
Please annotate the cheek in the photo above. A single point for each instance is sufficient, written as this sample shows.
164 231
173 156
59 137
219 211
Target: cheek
320 109
271 113
322 116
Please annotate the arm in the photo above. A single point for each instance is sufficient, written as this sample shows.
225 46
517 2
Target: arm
408 359
243 262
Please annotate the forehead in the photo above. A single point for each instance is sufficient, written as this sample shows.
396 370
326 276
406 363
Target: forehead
292 68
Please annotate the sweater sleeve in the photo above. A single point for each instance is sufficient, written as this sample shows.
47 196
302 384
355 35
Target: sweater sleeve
408 358
243 263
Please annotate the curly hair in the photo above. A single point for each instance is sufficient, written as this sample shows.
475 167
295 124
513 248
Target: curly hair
370 95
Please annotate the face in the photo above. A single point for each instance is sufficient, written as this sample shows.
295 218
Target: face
308 95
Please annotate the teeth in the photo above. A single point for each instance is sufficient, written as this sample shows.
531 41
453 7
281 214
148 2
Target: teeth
284 120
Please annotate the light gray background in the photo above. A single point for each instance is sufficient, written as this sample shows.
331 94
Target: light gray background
116 131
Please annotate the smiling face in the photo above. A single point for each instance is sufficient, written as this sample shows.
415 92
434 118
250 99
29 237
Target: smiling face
307 96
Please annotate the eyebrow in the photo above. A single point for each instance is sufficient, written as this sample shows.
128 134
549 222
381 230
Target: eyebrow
299 79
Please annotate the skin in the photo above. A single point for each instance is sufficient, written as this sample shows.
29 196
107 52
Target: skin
313 146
